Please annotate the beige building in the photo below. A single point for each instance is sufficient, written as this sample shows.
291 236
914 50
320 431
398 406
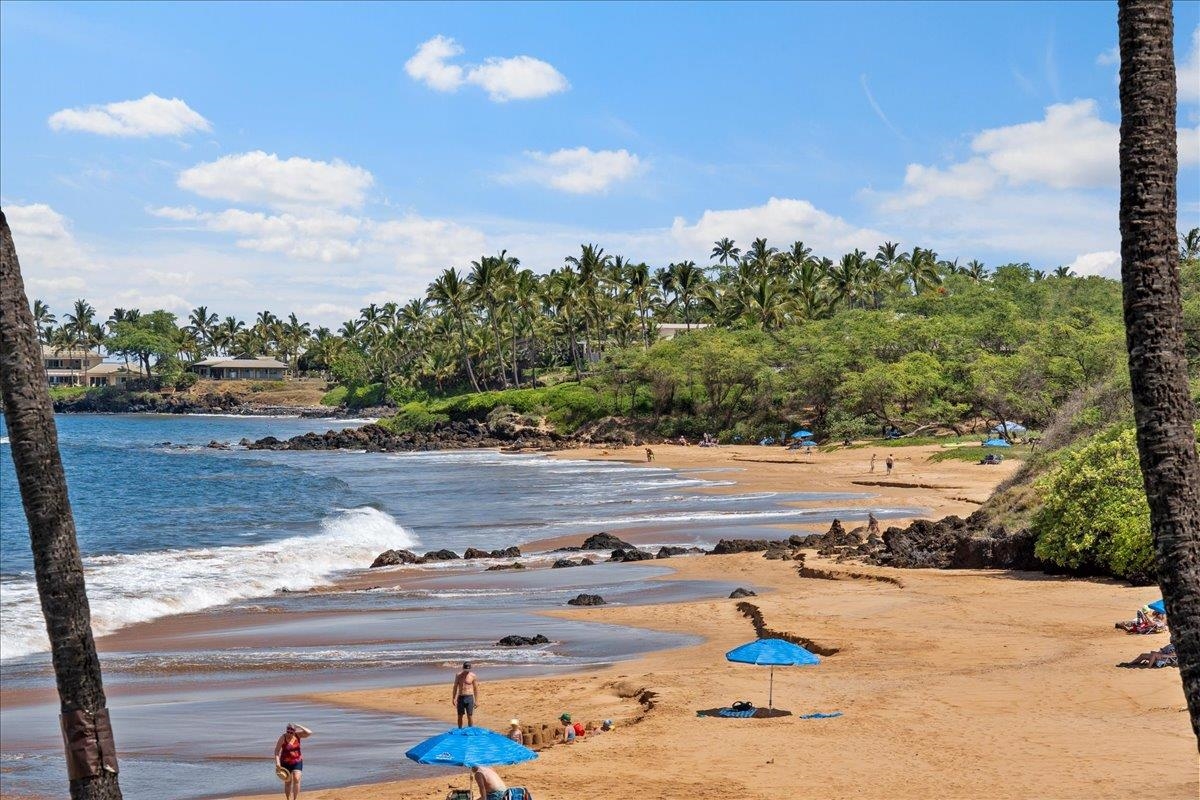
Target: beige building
669 330
74 367
263 368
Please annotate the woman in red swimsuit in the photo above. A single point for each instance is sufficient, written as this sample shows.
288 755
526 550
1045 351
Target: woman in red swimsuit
288 756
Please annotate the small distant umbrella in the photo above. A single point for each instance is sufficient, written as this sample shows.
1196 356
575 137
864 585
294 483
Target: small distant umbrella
996 443
802 435
772 653
1159 606
470 747
1009 427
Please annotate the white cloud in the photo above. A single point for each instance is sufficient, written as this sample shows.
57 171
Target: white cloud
578 170
515 78
1110 57
924 184
44 240
428 65
150 116
72 284
1070 147
1187 74
317 235
780 220
1105 262
265 179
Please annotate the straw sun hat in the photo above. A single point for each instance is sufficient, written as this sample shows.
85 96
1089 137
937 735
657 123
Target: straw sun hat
282 773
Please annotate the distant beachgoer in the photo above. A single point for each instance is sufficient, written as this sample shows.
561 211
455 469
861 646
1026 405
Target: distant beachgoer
683 442
569 731
607 725
289 758
649 454
1166 657
872 469
466 694
490 785
890 463
514 731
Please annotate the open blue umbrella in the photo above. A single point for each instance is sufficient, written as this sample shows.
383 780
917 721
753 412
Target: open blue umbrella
470 747
772 653
1010 427
802 435
996 443
1159 606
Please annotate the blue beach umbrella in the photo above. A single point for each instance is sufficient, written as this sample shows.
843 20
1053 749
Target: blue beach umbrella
1159 606
1010 427
802 435
470 747
772 653
996 443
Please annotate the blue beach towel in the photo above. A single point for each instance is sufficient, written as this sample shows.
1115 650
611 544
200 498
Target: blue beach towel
729 712
820 715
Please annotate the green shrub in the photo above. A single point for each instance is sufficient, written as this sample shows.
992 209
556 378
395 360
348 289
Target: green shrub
413 417
1094 517
334 397
67 392
186 380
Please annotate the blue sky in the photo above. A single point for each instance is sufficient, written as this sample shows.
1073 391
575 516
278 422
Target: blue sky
318 157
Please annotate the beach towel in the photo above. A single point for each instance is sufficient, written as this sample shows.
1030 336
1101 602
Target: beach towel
821 715
743 714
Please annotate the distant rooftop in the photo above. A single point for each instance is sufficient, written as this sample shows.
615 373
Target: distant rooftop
259 362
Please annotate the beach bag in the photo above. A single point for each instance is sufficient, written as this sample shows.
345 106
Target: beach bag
742 705
459 794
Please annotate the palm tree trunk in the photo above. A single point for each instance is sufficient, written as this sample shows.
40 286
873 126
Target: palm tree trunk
462 333
33 440
1154 322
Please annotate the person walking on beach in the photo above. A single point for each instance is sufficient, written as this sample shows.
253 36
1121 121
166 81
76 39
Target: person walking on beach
466 694
289 759
889 463
649 454
490 785
872 469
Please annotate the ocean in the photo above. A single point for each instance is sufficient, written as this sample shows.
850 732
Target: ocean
168 526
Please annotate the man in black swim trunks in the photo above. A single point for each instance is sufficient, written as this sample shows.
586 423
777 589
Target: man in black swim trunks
466 694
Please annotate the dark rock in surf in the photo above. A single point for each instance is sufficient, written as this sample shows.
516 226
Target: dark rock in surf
633 554
670 550
564 563
441 555
740 592
522 641
729 546
393 558
587 600
499 567
471 552
605 541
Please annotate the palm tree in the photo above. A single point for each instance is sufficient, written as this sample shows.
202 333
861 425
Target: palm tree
79 324
450 293
1189 245
725 250
43 320
1063 272
641 290
919 269
203 325
1158 366
58 568
687 282
975 270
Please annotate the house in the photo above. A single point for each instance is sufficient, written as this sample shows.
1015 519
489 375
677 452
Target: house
668 330
262 368
76 367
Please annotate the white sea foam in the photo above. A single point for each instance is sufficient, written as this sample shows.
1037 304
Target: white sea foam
129 588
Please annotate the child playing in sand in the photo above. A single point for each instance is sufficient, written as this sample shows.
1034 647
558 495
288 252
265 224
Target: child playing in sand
514 731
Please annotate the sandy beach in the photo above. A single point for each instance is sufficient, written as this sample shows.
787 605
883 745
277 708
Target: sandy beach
952 684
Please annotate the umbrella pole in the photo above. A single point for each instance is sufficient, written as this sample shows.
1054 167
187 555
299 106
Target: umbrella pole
771 692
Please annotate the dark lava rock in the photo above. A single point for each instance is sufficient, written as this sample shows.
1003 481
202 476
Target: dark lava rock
740 592
452 435
441 555
670 550
522 641
605 541
471 552
587 600
727 546
564 563
499 567
215 445
955 543
632 554
392 558
508 552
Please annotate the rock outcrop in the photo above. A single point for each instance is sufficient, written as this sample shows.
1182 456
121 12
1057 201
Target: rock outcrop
587 600
394 558
441 555
955 543
729 546
508 552
631 554
522 641
564 563
740 592
667 551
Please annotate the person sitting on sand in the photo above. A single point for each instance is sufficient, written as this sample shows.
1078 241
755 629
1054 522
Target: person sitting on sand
570 731
289 758
1147 621
1166 657
491 787
514 731
466 694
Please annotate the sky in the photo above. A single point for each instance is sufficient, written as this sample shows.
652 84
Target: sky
319 157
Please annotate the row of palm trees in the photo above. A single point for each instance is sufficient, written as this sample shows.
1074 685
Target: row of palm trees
497 323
